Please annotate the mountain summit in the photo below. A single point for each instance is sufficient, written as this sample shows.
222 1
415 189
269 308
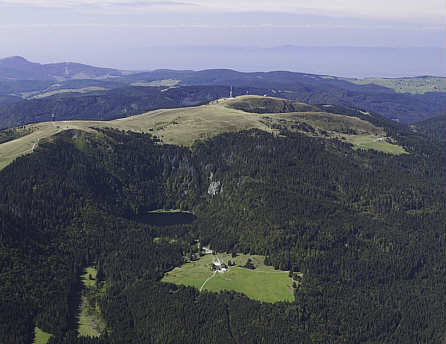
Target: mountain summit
19 68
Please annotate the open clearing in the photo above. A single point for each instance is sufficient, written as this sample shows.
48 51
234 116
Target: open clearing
416 85
262 284
90 323
41 337
376 143
68 90
183 126
165 82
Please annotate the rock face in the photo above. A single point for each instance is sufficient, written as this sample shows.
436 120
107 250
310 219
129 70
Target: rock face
215 188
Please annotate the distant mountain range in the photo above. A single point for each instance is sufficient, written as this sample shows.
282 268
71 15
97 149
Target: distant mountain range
66 85
18 68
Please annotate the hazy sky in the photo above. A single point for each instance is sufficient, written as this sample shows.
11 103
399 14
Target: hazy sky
394 9
129 34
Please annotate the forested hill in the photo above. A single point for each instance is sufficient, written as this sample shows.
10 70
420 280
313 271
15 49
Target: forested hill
183 126
112 104
119 102
366 230
406 100
434 128
18 68
318 89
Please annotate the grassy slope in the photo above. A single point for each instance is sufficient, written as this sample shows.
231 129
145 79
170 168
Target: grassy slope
373 142
185 125
192 274
90 324
13 149
418 85
433 128
41 337
263 284
68 90
164 82
333 122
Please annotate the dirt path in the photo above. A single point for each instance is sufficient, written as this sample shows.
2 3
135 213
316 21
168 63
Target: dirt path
216 261
213 274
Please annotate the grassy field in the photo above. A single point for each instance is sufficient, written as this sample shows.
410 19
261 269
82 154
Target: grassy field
417 85
165 82
376 143
90 323
184 126
368 136
332 122
41 337
9 151
269 286
89 277
192 274
262 284
68 90
86 328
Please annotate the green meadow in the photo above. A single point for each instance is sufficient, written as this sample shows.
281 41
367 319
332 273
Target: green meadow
262 284
380 144
183 126
90 322
41 337
415 85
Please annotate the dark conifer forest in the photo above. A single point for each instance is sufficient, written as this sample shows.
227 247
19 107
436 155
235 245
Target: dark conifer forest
366 229
433 128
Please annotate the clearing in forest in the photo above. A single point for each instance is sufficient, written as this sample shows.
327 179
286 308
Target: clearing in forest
263 283
90 322
413 85
41 337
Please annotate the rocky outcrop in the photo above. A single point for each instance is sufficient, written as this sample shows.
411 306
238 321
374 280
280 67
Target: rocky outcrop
215 188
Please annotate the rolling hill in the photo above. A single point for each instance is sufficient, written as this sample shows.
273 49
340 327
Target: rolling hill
18 68
416 85
111 104
406 100
183 126
434 128
360 232
378 95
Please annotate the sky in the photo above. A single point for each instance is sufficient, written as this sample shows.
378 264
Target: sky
198 34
